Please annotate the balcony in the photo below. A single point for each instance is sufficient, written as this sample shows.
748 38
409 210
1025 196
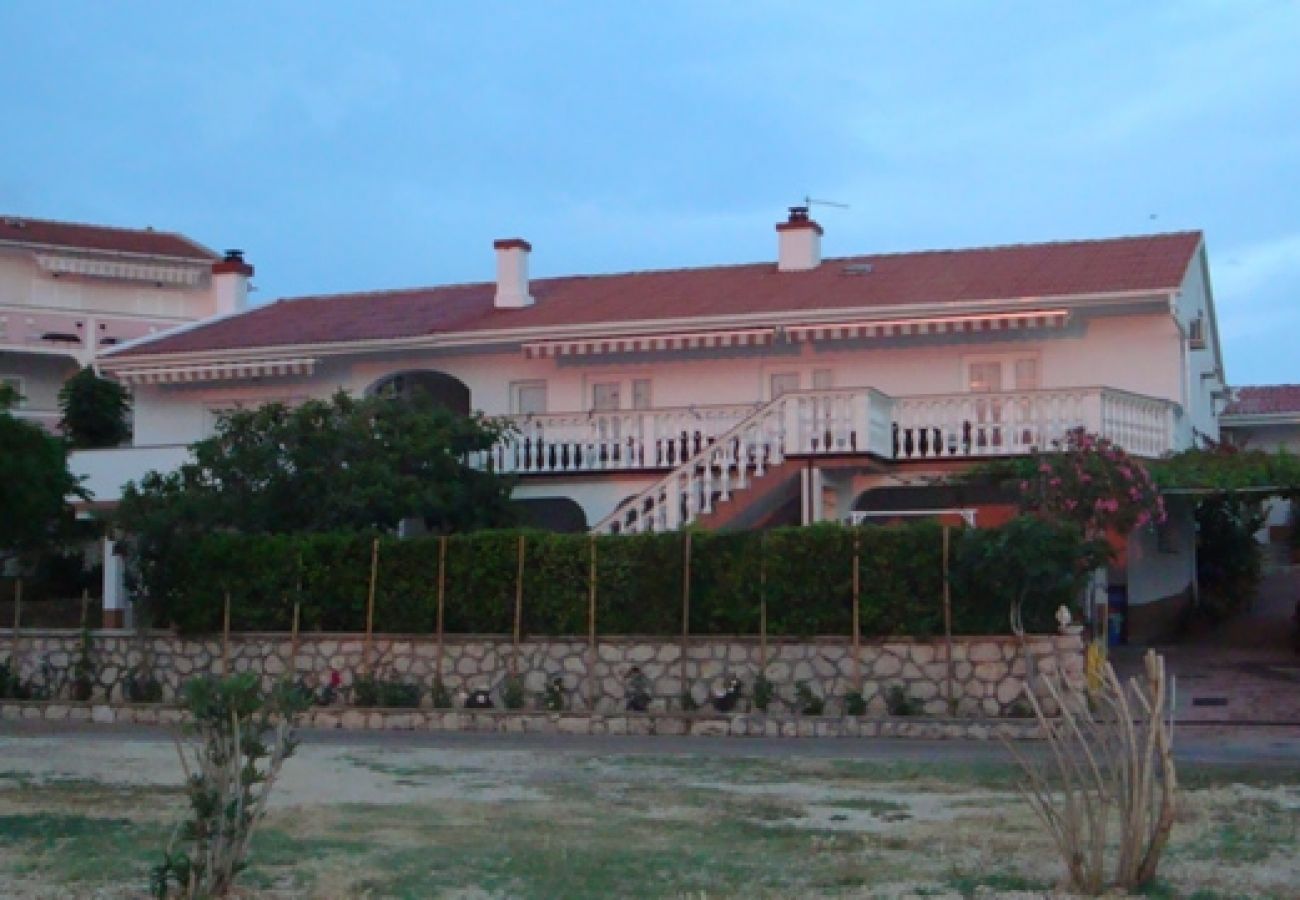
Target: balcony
842 421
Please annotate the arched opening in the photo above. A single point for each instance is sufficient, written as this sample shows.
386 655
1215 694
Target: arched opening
552 514
444 390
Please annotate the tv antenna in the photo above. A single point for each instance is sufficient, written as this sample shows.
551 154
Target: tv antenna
810 201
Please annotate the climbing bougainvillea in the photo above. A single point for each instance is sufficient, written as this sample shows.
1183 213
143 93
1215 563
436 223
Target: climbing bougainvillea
1094 483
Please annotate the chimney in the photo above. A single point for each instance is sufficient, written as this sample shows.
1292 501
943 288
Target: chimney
230 283
799 241
512 273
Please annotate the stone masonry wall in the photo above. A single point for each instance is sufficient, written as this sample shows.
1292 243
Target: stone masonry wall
987 672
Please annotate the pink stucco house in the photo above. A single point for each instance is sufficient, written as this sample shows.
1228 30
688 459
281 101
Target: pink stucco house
797 389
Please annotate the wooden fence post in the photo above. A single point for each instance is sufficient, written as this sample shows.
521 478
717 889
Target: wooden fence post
762 604
686 607
519 608
14 657
370 605
225 638
293 642
442 599
591 629
857 614
947 622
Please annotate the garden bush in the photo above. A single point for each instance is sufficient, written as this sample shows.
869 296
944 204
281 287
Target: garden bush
807 585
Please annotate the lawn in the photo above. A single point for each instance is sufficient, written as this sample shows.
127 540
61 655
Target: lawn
87 818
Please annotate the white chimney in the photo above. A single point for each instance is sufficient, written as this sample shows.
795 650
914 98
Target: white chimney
230 283
512 273
799 241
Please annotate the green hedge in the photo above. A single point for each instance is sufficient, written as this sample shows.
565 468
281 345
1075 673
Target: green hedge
807 577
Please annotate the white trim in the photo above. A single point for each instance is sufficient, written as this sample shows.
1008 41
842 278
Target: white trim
268 368
607 331
968 515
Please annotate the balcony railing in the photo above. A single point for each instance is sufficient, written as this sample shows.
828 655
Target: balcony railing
1016 422
848 420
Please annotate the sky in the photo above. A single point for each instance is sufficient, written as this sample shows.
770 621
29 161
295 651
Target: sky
381 145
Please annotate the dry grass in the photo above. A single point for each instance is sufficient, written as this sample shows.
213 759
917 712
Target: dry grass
82 819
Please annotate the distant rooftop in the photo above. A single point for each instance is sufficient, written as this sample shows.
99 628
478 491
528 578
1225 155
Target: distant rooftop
22 231
1265 400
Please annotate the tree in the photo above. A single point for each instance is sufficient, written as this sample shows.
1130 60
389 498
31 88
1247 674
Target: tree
338 465
96 411
36 485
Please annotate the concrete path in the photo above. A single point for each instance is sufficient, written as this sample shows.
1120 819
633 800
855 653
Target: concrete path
1244 670
1210 746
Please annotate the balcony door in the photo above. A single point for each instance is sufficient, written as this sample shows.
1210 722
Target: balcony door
1000 418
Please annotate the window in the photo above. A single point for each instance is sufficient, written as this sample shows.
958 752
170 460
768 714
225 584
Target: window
783 383
991 374
528 398
823 379
641 393
606 396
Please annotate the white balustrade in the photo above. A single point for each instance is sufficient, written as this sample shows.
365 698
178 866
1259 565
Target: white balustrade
1017 422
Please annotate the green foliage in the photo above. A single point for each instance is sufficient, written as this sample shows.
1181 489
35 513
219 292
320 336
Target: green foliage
809 575
764 691
512 692
439 695
35 488
1228 561
342 466
241 739
140 686
552 698
855 704
384 691
1093 483
688 701
899 703
1223 468
83 669
96 411
808 701
1029 561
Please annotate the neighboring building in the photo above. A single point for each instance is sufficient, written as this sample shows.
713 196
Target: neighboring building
1267 417
738 396
68 292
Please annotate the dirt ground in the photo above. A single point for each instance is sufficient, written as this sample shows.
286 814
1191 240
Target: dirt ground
86 817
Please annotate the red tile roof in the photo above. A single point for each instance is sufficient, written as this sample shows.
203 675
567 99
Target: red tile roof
20 230
1265 399
1020 272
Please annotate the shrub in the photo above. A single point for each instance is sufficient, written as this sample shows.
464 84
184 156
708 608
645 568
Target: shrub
899 703
552 698
385 692
439 696
855 704
139 686
241 740
763 693
809 576
512 692
12 686
807 700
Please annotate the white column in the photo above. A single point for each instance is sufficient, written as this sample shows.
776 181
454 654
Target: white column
115 600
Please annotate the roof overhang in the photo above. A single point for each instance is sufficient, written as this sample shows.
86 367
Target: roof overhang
182 374
1258 420
509 340
989 322
742 337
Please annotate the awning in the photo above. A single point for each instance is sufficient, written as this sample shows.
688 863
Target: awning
994 322
266 368
746 337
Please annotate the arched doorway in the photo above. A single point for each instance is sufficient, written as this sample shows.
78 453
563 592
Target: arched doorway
444 390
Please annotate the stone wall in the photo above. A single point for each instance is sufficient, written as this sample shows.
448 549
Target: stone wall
986 672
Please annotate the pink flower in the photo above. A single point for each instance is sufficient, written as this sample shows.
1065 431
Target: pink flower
335 678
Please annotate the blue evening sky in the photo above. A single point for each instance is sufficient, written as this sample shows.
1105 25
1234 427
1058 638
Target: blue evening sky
385 144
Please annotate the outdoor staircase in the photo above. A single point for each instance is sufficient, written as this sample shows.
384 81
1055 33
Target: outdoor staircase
800 423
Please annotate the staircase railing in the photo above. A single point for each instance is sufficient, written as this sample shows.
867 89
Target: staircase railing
850 420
